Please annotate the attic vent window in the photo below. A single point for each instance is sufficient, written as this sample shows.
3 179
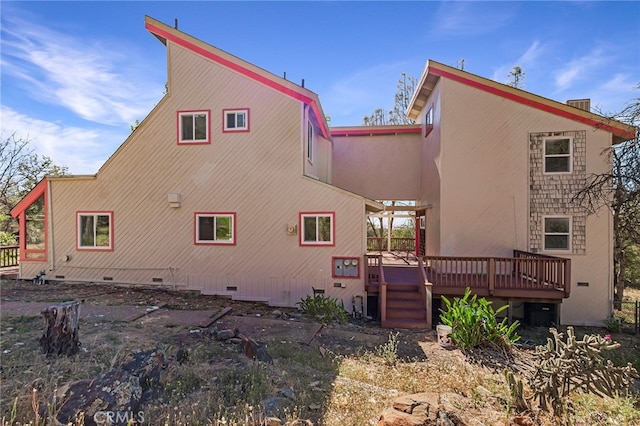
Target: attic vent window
583 104
193 127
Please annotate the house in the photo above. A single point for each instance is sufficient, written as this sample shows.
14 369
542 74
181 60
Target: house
235 185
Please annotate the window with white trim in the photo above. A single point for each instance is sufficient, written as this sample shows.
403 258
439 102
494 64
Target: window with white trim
236 120
193 127
317 228
215 228
310 142
557 233
558 153
95 231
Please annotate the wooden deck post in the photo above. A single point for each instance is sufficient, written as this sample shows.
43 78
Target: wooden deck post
491 275
428 302
383 302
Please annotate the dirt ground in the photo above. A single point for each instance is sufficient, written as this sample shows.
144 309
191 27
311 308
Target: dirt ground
147 314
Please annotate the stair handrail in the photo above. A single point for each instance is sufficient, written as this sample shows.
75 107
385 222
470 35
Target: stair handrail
426 290
382 294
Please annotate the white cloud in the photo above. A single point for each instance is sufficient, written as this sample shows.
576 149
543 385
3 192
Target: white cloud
469 18
577 68
95 82
526 61
358 94
83 151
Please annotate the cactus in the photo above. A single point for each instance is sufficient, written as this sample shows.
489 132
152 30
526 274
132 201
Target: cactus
577 364
516 389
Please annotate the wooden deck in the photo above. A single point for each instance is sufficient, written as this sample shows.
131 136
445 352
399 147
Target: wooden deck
525 276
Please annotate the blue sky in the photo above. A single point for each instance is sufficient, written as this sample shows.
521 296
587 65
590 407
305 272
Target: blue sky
75 75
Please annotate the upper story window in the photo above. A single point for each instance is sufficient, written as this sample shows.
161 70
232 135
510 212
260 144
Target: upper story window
235 120
428 121
95 231
558 153
215 228
193 127
310 142
557 233
317 229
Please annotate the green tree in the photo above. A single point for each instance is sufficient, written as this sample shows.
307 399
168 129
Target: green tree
20 171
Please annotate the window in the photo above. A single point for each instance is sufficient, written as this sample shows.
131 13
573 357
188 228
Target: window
193 127
557 233
215 228
317 229
236 120
557 155
428 121
95 231
310 142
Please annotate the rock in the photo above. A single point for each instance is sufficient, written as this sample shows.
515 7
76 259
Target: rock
272 421
421 409
122 390
277 406
255 350
225 334
276 314
287 392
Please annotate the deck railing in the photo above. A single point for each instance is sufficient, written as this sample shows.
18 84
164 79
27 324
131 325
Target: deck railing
9 256
526 272
397 244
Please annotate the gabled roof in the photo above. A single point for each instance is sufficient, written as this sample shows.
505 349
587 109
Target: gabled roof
30 198
435 70
166 33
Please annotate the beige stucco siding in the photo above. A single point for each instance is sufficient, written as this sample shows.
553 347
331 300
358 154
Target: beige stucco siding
378 167
257 175
485 177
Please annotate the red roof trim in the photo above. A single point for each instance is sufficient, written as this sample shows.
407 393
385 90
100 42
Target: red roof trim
533 103
374 131
30 198
240 69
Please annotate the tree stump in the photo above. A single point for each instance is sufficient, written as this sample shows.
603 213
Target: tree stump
60 336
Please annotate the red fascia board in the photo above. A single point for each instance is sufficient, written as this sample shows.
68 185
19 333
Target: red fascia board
30 198
240 69
530 102
375 131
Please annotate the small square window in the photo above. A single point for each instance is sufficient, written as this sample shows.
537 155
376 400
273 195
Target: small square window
193 127
235 120
557 233
215 228
558 155
95 231
317 229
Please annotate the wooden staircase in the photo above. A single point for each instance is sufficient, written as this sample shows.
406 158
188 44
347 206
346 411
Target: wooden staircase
405 304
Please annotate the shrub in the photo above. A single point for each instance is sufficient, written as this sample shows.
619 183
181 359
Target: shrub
576 364
326 309
474 323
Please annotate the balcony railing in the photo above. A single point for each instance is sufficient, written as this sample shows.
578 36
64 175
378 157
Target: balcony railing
9 256
397 244
525 274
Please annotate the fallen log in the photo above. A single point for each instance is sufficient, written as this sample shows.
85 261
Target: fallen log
60 336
